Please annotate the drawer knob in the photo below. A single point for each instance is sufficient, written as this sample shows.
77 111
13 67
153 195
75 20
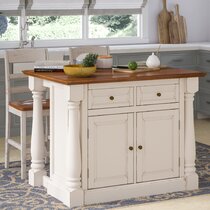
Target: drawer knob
140 147
130 148
111 98
158 94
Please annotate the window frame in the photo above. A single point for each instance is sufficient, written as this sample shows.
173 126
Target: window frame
142 37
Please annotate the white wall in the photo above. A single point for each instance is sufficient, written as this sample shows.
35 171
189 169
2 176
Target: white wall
196 12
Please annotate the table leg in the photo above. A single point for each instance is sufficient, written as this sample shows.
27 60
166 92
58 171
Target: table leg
73 154
190 174
37 170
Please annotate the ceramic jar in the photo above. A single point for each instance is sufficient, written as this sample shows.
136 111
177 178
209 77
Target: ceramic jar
104 62
153 61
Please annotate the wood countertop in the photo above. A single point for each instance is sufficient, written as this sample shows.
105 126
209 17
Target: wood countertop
105 76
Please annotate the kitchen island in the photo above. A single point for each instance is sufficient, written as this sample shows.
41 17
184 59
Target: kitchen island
115 135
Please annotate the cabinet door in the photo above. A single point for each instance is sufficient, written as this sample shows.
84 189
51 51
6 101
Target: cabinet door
110 150
157 145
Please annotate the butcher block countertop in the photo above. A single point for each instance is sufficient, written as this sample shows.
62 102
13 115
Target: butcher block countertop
105 76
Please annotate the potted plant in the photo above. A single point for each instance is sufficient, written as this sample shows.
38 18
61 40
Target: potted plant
85 69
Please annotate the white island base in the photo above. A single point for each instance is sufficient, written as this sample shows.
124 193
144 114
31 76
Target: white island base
112 141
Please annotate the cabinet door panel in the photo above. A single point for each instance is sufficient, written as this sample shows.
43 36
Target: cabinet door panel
158 134
110 160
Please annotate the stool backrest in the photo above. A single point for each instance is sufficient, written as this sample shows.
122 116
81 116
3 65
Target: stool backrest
74 52
17 60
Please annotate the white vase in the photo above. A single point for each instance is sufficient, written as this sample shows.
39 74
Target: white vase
153 61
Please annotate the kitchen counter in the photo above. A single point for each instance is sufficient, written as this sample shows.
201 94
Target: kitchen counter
115 136
141 48
104 76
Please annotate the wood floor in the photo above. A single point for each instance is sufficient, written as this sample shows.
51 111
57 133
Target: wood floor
202 135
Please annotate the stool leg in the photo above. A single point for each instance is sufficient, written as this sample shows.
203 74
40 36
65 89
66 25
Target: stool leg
23 145
7 136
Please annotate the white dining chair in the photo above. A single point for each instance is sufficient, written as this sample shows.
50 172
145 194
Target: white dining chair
16 88
74 52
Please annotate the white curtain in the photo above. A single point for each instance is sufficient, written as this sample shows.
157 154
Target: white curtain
116 7
52 7
11 7
71 7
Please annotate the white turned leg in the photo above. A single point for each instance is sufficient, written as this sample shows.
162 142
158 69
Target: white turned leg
73 155
190 151
23 144
37 170
7 136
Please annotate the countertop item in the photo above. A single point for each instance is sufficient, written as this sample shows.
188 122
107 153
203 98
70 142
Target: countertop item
79 70
163 20
104 62
153 61
104 76
173 30
182 26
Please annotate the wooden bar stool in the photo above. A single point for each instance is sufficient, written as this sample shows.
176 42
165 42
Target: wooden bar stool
16 87
74 52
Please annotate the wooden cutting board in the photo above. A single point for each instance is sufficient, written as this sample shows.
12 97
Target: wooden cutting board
181 22
163 21
173 30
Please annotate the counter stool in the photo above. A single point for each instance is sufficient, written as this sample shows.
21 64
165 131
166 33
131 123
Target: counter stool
74 52
16 88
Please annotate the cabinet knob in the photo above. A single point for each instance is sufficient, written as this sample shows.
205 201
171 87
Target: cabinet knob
111 98
130 148
140 147
158 94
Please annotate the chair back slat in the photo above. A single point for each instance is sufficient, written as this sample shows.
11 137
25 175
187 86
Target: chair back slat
26 55
20 89
17 60
74 52
17 76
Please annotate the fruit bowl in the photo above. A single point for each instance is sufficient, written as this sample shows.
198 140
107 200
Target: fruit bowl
79 70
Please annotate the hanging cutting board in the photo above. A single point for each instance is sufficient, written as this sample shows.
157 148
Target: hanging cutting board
173 30
163 21
181 22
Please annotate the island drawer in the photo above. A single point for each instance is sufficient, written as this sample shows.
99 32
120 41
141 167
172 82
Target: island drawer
158 94
110 98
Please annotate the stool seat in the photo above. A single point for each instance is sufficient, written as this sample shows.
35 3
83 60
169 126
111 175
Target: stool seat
27 105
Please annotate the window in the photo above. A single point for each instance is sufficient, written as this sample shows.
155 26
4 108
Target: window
12 29
55 27
107 26
74 23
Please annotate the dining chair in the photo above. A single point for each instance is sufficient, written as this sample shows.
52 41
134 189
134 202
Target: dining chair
74 52
18 98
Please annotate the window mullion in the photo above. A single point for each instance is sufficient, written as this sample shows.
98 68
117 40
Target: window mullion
85 28
23 27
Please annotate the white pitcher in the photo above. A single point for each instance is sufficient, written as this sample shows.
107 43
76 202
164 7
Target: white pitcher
153 61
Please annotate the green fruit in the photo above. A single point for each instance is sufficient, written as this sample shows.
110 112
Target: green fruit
132 65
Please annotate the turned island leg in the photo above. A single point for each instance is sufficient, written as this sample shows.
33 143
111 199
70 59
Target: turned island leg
37 170
190 150
73 155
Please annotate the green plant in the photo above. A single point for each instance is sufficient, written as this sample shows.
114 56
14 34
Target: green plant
132 65
90 60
